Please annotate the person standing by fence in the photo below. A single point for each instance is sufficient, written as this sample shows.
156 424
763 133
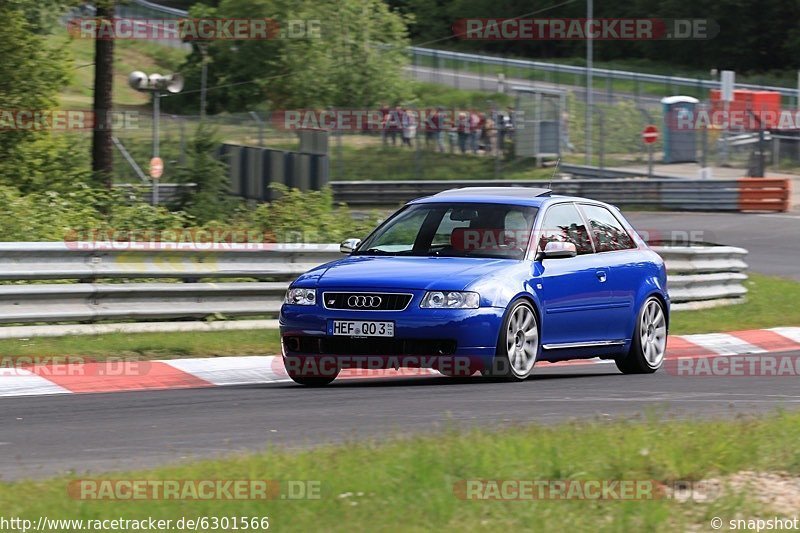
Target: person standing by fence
462 128
490 133
475 131
409 122
441 124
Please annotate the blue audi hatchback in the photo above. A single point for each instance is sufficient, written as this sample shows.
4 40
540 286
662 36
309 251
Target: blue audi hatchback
489 279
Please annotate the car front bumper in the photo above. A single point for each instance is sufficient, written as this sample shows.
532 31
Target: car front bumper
419 335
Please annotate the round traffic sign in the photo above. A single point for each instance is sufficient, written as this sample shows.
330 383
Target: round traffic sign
156 167
650 134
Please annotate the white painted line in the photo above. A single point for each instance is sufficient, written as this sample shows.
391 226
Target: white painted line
796 217
789 333
20 382
723 344
243 370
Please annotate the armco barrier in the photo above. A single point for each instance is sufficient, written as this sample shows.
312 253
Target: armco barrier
698 277
745 194
764 194
704 276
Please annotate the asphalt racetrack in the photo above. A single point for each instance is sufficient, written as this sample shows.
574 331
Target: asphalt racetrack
46 435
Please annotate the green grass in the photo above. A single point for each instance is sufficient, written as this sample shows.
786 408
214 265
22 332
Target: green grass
433 94
146 345
771 302
375 162
407 484
128 56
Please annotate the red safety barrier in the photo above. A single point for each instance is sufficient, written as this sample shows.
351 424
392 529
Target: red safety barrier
764 194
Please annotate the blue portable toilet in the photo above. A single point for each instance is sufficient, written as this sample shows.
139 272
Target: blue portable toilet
680 135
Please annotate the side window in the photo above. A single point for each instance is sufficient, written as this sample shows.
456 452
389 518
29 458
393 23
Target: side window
608 233
563 223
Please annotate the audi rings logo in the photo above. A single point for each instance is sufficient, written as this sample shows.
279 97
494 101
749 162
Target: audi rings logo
364 302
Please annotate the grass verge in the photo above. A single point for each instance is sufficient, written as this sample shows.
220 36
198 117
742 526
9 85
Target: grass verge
771 302
147 345
408 484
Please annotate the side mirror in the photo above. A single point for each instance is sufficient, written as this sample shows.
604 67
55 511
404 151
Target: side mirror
558 250
349 245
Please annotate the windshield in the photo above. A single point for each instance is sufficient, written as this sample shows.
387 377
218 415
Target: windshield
454 230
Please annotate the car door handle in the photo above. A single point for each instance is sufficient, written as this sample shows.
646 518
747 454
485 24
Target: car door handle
601 275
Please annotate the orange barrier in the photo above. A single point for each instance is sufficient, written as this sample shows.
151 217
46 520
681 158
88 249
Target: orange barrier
764 194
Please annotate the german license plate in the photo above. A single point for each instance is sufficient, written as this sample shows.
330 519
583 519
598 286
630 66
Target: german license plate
362 328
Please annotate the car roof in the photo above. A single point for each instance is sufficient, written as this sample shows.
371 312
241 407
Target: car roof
531 196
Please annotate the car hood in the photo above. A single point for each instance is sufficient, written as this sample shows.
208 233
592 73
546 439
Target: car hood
429 273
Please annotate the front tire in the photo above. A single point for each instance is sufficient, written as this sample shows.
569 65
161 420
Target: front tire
649 343
309 378
518 345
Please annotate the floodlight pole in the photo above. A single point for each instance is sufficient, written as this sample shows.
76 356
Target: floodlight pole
156 116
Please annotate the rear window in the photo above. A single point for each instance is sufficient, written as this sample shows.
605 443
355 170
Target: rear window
608 234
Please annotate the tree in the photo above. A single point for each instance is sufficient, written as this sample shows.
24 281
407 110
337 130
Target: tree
31 75
210 199
102 146
351 52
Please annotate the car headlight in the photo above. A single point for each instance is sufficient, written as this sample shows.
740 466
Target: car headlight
301 297
451 300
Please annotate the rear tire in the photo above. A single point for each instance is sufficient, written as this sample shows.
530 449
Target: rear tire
518 344
649 342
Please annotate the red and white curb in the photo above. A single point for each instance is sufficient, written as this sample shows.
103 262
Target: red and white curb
35 380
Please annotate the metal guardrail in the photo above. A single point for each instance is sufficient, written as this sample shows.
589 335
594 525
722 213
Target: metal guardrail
91 275
706 195
598 72
662 193
699 277
89 262
704 276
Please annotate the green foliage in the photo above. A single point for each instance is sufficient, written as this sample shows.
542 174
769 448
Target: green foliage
431 94
31 76
209 200
752 36
53 215
52 163
309 217
351 54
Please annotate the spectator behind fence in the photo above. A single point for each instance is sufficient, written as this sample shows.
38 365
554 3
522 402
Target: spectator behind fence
409 122
463 130
428 123
442 125
392 124
384 120
475 131
490 134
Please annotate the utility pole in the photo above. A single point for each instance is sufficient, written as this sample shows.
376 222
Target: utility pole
203 79
589 98
154 84
102 144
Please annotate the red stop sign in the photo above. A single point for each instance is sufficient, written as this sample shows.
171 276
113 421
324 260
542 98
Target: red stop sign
156 167
650 134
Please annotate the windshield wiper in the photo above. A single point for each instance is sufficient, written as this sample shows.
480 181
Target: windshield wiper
376 251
